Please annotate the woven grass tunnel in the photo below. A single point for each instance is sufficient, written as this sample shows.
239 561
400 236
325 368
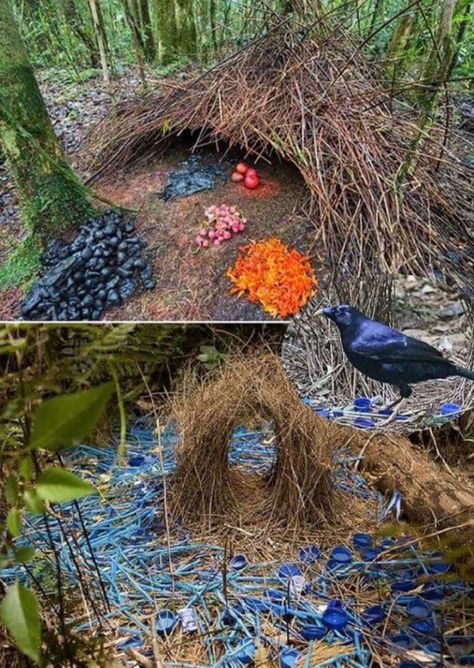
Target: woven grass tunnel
312 99
298 489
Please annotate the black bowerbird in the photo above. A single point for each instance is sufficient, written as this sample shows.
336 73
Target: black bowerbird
387 355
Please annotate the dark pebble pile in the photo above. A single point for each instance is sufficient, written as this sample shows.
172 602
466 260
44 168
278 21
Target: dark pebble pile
101 267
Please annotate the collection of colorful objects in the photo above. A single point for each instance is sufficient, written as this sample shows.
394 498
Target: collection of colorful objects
347 602
368 412
267 272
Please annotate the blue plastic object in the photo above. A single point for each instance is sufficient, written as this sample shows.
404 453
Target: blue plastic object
374 615
363 423
256 604
371 553
341 554
289 657
403 585
309 553
423 626
335 617
246 652
362 540
449 408
165 622
289 570
438 567
431 591
362 404
312 631
136 460
418 608
238 562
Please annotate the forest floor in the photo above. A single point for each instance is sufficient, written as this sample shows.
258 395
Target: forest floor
191 281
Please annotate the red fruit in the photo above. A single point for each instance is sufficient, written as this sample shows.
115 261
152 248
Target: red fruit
242 168
252 172
251 182
237 177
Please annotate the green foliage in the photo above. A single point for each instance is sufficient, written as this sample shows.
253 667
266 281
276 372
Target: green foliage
20 614
56 485
67 419
210 357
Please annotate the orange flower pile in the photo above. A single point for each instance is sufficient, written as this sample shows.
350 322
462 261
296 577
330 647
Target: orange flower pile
268 272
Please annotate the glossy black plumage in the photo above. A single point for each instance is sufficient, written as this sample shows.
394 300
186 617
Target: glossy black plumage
387 355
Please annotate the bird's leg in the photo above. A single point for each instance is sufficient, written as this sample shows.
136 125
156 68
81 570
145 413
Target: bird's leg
405 393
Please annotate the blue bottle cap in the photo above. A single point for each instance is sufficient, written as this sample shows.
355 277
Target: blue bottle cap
289 570
371 553
309 553
362 403
449 408
165 622
312 631
136 460
423 626
335 618
374 615
341 554
418 608
238 562
361 540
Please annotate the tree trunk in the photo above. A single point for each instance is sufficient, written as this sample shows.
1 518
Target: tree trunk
167 31
147 30
51 196
101 41
77 26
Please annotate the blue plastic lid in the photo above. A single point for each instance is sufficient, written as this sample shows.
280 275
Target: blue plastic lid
289 657
438 567
449 408
136 460
431 591
238 562
335 618
418 608
165 622
362 403
374 615
312 631
341 554
289 570
362 540
309 553
371 553
422 626
403 585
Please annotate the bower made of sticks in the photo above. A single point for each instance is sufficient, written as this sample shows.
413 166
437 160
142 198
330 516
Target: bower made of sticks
206 488
378 198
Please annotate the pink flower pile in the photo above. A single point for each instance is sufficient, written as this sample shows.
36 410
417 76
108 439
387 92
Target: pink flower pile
222 223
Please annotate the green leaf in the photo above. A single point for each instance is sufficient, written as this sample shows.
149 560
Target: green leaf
58 485
24 554
26 468
20 614
33 502
14 522
66 419
11 490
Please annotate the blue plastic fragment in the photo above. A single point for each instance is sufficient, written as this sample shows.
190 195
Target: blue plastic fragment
423 626
238 562
309 553
312 631
374 615
335 617
362 404
289 570
362 540
289 657
418 608
165 622
341 554
449 408
363 423
402 640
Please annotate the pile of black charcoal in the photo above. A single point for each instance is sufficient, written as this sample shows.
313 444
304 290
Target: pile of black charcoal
101 267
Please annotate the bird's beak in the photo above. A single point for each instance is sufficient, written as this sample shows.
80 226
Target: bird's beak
323 311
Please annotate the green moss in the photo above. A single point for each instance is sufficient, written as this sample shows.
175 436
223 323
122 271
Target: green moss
22 265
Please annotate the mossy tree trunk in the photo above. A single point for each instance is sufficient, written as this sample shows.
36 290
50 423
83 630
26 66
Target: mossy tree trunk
51 196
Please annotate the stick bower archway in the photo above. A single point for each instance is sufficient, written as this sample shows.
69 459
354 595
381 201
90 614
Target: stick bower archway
311 98
299 487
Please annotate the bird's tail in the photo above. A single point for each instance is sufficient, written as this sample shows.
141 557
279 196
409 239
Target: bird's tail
465 373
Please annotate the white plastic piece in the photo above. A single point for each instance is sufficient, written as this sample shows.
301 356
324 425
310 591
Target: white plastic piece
189 620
